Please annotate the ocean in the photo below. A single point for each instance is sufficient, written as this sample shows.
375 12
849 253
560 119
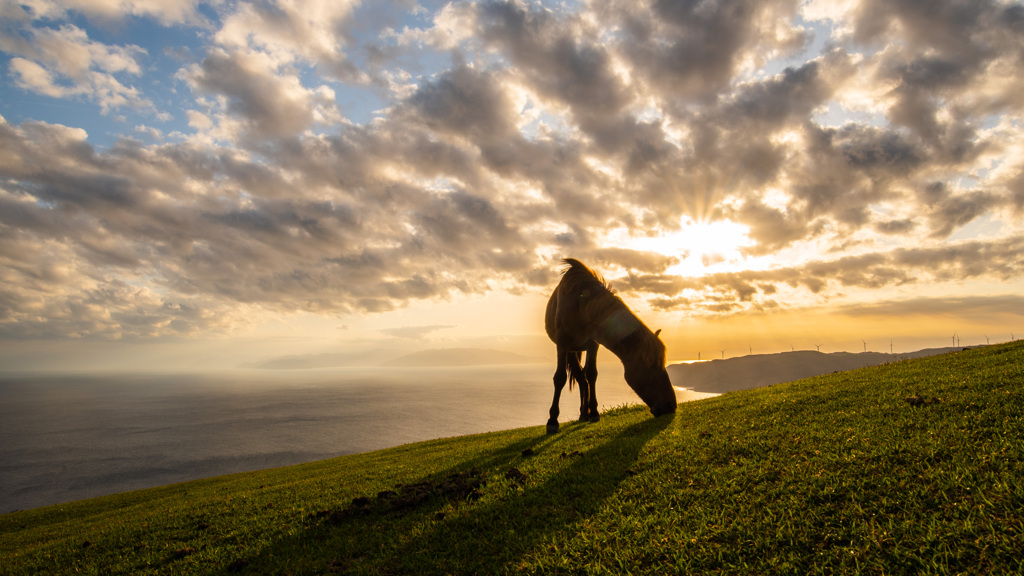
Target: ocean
68 437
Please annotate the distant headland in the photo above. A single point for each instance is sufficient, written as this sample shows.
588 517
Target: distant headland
757 370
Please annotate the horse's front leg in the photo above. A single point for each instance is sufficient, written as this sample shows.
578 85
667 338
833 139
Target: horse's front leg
590 372
559 380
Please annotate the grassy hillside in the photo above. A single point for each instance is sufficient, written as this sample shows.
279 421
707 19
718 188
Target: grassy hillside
912 467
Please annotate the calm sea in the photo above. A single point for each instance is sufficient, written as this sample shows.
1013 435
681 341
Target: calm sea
68 437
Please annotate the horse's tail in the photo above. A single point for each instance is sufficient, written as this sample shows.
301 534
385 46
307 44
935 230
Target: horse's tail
573 366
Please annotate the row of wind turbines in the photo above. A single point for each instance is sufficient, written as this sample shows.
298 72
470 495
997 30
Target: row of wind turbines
956 339
955 342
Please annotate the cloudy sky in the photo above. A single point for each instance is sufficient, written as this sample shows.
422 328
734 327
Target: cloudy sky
220 180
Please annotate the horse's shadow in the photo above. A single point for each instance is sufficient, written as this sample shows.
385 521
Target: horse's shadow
517 516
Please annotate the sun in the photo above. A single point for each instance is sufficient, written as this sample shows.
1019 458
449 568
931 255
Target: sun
702 247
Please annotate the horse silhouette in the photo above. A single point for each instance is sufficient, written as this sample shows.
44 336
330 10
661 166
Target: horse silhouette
583 313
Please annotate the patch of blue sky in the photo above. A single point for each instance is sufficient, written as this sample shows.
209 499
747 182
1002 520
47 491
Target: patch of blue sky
835 116
359 104
380 25
969 181
650 114
395 66
169 49
985 226
991 121
820 34
19 106
545 125
564 7
158 90
146 33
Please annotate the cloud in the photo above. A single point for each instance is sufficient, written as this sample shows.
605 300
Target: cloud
452 25
632 259
692 50
568 68
960 262
467 103
64 62
993 308
506 136
34 77
267 101
951 212
314 31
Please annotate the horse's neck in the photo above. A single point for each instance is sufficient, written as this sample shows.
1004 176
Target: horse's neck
611 330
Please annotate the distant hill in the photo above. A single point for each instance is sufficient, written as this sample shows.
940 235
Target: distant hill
460 357
756 370
308 361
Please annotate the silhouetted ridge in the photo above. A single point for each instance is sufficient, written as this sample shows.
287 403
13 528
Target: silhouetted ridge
756 370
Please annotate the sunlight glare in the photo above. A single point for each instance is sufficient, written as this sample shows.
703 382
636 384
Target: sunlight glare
701 247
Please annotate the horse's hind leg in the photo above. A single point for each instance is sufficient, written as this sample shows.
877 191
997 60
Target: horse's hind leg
590 382
559 379
577 373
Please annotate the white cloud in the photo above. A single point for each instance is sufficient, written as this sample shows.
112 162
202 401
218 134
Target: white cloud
149 131
198 120
313 31
64 62
452 25
33 77
270 101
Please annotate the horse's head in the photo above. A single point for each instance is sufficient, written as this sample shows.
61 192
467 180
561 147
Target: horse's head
645 373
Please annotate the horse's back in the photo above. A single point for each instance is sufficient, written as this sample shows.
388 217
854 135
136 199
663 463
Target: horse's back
559 315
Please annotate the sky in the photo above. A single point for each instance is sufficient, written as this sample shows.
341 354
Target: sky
209 184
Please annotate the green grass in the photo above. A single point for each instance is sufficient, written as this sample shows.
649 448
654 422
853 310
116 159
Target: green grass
835 474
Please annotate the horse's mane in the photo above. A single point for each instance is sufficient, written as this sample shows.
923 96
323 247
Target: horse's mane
583 272
628 333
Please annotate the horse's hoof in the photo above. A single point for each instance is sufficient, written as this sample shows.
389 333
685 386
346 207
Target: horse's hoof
552 427
594 417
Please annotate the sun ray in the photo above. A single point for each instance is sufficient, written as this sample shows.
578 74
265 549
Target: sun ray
702 247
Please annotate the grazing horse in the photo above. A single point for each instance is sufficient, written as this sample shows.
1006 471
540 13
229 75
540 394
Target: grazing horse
583 313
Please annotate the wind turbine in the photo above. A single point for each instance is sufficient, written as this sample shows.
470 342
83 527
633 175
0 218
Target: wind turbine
890 346
723 354
865 345
954 338
818 346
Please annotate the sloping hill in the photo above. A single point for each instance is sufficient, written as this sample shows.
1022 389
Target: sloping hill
757 370
912 467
